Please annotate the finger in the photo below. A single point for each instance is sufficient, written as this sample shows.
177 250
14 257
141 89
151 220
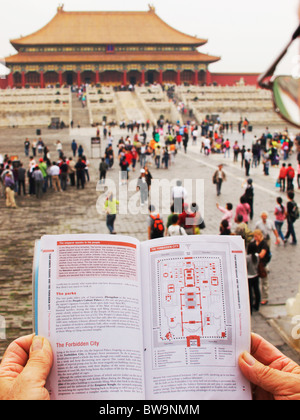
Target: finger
16 355
40 361
269 355
271 380
264 351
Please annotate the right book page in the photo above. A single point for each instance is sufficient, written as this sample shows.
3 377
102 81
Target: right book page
196 317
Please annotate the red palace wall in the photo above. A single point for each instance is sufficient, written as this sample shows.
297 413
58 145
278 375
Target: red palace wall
230 79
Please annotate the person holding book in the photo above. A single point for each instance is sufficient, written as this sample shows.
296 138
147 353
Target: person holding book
27 362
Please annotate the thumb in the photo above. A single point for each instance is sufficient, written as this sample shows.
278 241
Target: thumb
265 377
31 382
40 359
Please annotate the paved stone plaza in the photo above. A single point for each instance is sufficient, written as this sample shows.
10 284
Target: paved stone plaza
74 211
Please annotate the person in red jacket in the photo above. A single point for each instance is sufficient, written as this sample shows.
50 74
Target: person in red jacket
282 177
290 175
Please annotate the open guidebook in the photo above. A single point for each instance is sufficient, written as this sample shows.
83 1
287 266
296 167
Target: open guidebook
164 319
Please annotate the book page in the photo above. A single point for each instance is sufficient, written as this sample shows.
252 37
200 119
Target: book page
196 317
88 304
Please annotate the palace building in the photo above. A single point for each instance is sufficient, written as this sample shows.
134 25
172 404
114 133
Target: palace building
111 48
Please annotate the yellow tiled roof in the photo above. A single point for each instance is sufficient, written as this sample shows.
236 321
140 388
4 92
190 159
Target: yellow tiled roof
68 28
93 57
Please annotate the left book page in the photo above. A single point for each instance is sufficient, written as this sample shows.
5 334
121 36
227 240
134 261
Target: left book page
87 299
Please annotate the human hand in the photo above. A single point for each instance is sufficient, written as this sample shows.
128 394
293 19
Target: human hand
272 374
24 369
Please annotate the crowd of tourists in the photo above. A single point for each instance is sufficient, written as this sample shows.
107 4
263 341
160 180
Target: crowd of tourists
134 151
42 172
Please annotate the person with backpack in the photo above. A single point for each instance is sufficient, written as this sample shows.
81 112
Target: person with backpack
290 175
155 224
292 214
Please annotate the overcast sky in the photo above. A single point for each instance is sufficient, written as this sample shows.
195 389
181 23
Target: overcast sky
247 34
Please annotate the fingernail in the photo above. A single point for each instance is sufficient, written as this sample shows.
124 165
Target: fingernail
37 343
249 359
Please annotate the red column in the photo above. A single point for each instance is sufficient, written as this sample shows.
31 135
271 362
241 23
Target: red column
160 80
23 79
124 77
10 80
208 78
60 79
78 78
178 78
196 80
42 83
143 77
97 77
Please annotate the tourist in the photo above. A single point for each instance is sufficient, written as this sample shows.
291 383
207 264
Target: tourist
218 178
64 170
282 177
186 220
103 167
72 171
227 148
175 229
157 154
166 157
74 147
248 158
259 246
9 185
292 214
242 229
249 195
110 207
142 186
40 146
80 173
155 224
228 214
224 228
197 218
280 216
43 167
86 169
253 279
21 179
54 173
80 151
236 151
267 227
148 177
290 175
38 178
179 194
26 147
109 156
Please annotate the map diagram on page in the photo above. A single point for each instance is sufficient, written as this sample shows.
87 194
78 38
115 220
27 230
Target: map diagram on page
191 307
